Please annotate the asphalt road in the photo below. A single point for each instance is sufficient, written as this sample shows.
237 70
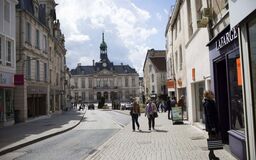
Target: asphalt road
94 130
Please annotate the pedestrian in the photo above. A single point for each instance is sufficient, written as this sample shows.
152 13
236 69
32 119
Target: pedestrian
135 113
168 107
151 112
211 119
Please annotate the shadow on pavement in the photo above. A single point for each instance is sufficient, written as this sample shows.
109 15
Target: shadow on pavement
144 131
15 133
159 130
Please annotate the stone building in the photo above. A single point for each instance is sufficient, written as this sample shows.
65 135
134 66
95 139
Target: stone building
154 71
40 46
7 60
103 78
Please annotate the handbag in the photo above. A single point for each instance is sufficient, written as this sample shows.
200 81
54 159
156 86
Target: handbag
155 114
214 144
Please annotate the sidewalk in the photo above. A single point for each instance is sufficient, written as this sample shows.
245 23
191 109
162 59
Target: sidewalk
23 134
172 142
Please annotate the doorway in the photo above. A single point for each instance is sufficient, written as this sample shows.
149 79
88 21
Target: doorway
221 91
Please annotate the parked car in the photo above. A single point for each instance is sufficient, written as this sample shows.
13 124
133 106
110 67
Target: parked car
126 106
91 106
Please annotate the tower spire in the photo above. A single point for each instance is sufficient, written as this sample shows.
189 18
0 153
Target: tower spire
102 36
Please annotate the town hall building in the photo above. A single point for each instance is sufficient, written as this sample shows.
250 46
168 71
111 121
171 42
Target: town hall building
104 79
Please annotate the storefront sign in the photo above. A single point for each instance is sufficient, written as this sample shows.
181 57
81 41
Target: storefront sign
226 38
177 114
170 84
6 79
239 10
238 71
37 90
19 79
193 74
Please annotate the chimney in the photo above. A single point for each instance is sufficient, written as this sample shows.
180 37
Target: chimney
93 63
78 64
121 64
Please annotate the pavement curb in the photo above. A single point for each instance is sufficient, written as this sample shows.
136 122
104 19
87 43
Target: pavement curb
39 139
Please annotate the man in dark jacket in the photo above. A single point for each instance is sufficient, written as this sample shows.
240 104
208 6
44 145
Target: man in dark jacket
168 106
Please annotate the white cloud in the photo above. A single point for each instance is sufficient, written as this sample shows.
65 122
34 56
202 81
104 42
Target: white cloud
125 20
78 38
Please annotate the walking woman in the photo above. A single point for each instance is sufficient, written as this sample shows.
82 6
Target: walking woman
135 113
149 112
211 118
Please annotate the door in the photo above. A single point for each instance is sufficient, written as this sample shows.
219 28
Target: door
221 95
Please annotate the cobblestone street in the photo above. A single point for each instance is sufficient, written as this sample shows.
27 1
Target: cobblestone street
176 142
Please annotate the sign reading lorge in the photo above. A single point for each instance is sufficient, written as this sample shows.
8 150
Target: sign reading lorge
226 38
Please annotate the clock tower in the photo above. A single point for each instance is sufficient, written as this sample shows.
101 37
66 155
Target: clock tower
103 50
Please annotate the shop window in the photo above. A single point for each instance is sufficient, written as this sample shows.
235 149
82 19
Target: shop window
9 103
252 42
1 105
236 97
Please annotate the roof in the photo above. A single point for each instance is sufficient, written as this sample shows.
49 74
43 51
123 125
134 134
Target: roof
86 70
153 53
159 63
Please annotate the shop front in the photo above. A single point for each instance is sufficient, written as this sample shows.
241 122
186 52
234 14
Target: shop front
36 101
6 99
227 85
246 21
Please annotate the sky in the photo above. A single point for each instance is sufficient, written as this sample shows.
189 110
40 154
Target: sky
131 27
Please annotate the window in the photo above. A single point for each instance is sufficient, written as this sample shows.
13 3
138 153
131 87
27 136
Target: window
150 68
175 29
152 78
45 72
126 81
153 89
176 60
119 81
133 81
180 58
235 84
190 27
9 53
83 96
90 83
45 44
1 50
37 39
36 12
28 33
57 79
7 11
28 67
37 70
83 83
252 42
76 82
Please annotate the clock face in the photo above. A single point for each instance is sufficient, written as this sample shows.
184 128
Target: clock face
104 64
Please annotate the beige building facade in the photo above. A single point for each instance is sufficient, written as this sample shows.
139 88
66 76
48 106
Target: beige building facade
7 60
154 74
38 44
